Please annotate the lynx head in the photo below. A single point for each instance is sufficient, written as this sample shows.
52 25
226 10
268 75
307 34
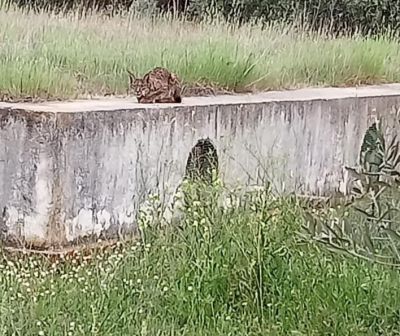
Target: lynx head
135 84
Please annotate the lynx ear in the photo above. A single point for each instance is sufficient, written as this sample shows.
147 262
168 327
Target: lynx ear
132 77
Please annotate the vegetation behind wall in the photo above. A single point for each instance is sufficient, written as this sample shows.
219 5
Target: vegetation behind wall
349 16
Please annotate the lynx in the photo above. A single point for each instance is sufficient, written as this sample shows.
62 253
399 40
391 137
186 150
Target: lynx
157 86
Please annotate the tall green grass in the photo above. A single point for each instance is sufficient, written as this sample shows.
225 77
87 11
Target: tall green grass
221 271
65 56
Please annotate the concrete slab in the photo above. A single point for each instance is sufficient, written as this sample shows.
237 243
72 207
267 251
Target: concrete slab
74 171
116 104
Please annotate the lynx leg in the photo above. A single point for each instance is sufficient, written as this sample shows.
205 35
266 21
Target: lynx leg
148 97
177 97
166 100
159 96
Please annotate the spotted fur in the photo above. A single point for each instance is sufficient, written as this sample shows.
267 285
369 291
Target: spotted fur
157 86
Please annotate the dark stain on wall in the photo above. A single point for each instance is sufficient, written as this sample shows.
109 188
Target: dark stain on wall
202 160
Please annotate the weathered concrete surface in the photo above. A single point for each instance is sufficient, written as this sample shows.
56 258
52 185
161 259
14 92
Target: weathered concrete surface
72 169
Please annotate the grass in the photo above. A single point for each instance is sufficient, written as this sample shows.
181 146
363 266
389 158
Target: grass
222 271
64 56
232 271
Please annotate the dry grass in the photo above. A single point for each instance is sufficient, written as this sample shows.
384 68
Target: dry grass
49 56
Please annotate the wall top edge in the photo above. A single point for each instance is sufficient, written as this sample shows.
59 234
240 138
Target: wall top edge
101 104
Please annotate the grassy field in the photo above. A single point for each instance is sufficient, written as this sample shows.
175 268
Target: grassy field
49 56
237 271
222 271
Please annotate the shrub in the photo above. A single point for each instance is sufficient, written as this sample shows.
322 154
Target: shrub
365 16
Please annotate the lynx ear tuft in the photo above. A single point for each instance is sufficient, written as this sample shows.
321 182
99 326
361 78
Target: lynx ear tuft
132 76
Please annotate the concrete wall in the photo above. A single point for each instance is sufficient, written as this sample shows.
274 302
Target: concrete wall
75 169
